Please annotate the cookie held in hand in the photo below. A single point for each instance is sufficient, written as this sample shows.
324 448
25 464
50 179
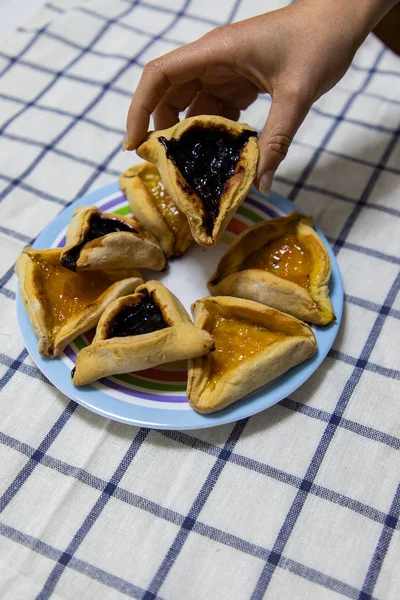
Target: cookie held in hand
100 240
140 331
254 344
154 208
282 263
62 304
207 164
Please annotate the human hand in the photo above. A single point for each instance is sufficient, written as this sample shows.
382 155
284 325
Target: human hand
295 54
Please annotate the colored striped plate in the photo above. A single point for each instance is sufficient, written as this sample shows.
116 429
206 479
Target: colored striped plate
156 397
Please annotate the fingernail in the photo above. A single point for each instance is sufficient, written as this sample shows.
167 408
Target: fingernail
125 142
266 182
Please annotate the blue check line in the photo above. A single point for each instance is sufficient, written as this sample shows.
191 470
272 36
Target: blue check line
343 118
66 130
60 152
368 251
354 159
19 365
70 76
33 190
315 157
273 473
372 306
363 430
177 518
379 97
64 113
38 455
362 202
157 9
165 9
56 9
15 234
128 93
58 74
321 450
126 26
9 374
96 99
93 515
234 11
278 177
81 566
134 591
374 434
369 366
194 512
381 549
7 293
201 19
3 281
332 194
17 58
101 168
92 50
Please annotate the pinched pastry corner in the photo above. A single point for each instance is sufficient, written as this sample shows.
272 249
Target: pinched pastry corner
254 344
154 208
282 263
101 240
61 304
207 164
140 331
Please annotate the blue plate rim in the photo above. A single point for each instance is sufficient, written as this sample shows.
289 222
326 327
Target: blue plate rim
114 408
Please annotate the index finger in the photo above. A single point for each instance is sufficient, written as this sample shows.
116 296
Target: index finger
175 68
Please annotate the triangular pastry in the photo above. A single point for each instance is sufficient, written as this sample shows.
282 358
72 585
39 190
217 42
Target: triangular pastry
140 331
207 164
282 263
254 344
101 240
62 304
154 208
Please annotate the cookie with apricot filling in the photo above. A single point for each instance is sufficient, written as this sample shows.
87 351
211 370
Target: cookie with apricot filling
253 345
62 304
282 263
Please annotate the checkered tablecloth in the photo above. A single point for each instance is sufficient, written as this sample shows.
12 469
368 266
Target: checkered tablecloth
301 502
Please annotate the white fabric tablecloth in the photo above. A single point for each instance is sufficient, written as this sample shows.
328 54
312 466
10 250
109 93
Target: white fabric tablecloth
299 502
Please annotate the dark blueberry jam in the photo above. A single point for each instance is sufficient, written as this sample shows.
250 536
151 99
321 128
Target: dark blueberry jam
143 317
207 158
99 225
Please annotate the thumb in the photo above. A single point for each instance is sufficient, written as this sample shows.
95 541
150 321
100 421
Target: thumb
284 119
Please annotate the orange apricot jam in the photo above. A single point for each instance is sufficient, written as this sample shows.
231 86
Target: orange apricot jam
236 341
67 293
163 200
286 257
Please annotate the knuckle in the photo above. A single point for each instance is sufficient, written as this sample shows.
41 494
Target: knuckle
279 145
152 65
156 68
300 93
220 35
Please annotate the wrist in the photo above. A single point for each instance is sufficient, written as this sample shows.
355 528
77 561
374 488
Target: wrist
362 15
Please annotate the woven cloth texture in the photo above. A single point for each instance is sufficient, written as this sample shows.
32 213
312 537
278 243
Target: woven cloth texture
301 501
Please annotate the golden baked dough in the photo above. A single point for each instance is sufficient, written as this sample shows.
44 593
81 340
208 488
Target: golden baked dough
282 263
254 344
140 331
207 164
62 304
101 240
154 208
